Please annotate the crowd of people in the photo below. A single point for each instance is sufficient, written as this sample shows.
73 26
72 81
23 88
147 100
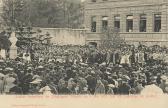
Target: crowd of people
73 70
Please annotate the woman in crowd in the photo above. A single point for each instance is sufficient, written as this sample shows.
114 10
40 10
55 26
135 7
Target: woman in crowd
81 70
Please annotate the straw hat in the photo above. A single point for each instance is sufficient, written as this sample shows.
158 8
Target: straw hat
119 79
29 68
40 67
92 72
126 77
163 77
36 77
36 81
111 85
103 64
47 88
9 69
108 73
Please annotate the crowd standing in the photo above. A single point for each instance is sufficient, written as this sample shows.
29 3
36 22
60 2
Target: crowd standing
83 70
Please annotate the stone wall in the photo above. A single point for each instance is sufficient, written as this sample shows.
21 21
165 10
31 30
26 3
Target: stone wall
65 36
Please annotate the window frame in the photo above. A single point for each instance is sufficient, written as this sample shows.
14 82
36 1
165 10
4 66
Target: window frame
117 21
159 22
104 22
129 21
141 21
93 24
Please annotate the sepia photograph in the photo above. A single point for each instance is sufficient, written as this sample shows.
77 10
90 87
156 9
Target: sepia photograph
83 48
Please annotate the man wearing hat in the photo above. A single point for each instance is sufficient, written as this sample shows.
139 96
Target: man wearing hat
110 89
1 82
124 88
139 87
9 80
15 89
64 89
34 86
100 89
46 90
27 78
163 83
91 81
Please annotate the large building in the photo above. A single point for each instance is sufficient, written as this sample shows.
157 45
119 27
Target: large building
144 21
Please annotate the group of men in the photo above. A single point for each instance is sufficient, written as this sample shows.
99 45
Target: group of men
77 70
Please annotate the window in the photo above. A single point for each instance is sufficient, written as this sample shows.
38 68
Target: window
93 24
117 22
93 0
129 22
142 24
157 22
104 23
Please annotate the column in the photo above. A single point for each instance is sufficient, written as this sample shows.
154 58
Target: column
99 24
136 22
111 21
164 19
150 22
123 23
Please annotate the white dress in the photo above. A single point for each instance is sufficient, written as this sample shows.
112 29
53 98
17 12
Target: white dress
123 59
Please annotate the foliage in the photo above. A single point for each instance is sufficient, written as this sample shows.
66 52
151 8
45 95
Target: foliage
42 13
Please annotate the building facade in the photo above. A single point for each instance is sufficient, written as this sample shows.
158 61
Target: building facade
144 21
